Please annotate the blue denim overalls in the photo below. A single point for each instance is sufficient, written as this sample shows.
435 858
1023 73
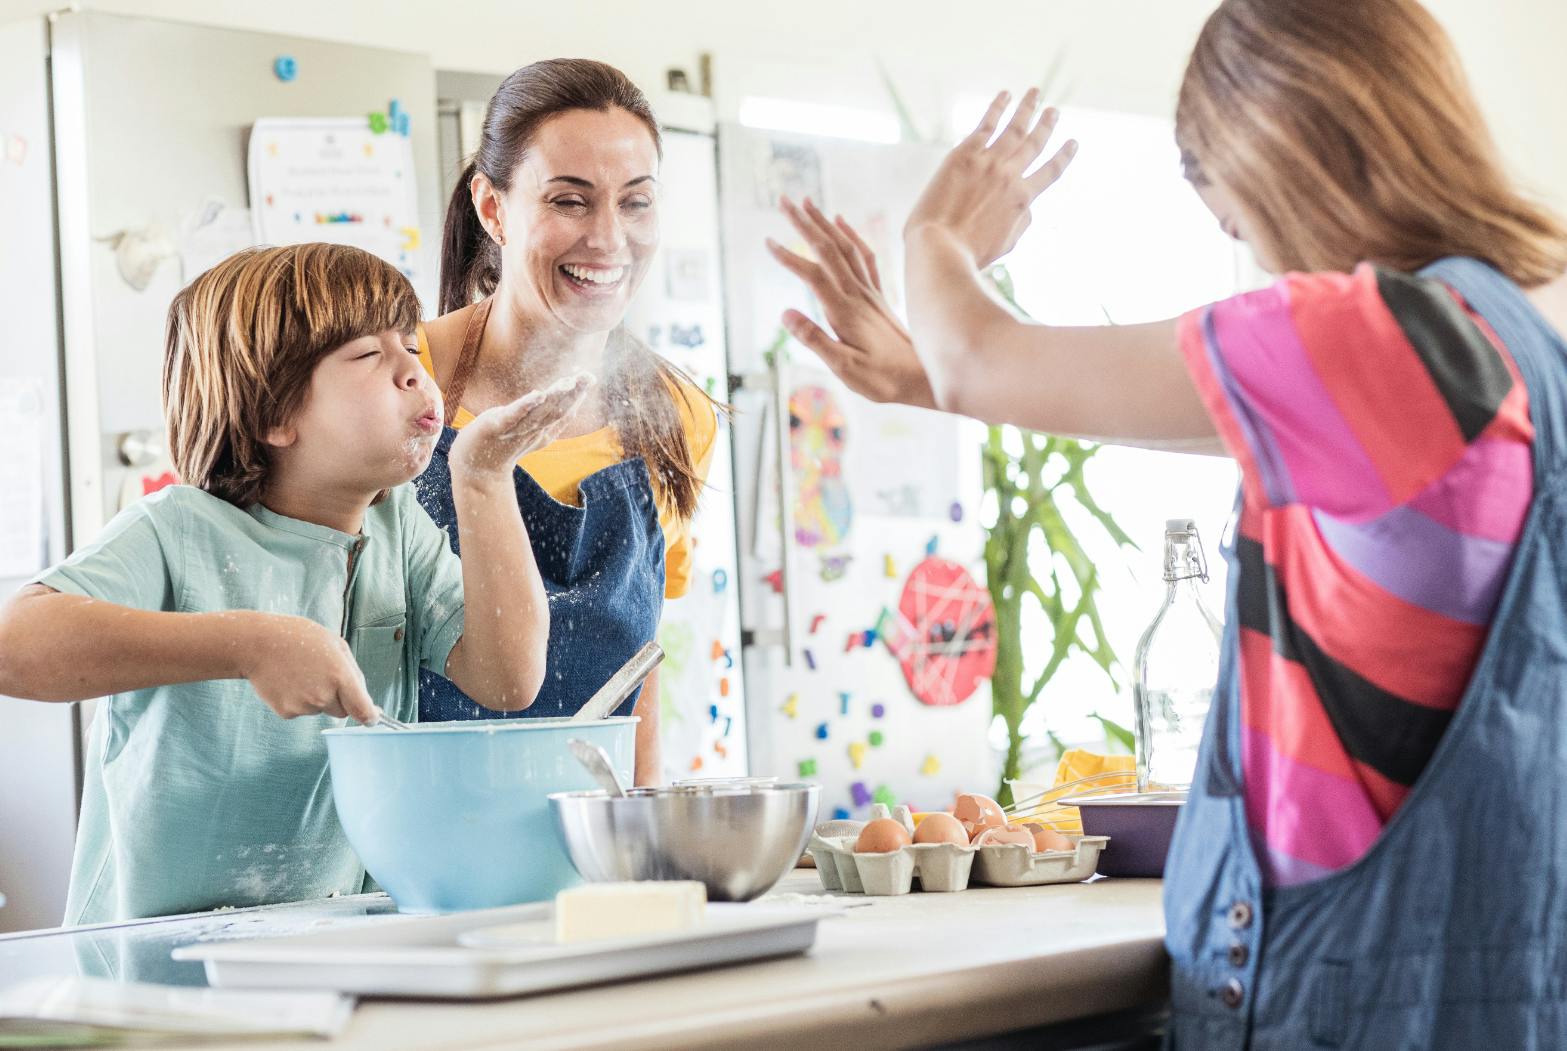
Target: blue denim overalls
602 564
1451 932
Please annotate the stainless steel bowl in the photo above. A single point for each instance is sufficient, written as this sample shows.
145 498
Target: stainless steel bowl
739 840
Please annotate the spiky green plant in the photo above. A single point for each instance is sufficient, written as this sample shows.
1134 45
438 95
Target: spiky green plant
1033 477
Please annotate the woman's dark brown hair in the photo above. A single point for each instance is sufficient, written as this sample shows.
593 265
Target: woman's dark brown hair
640 387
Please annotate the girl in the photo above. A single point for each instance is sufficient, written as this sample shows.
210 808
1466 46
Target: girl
1387 723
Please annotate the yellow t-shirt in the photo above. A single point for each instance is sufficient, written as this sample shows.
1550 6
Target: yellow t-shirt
561 466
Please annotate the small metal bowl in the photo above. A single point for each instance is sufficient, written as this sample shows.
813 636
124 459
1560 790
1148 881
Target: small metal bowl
739 840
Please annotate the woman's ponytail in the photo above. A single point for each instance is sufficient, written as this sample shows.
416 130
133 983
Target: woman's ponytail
470 263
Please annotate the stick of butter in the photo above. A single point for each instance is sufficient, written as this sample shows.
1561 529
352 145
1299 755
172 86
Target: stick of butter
628 910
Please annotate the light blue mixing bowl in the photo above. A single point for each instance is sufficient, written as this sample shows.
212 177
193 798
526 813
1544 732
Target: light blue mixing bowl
450 816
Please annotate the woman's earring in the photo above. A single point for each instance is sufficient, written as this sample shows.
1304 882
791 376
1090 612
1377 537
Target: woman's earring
500 238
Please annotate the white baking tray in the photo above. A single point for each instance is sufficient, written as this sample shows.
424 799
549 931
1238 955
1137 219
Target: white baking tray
424 957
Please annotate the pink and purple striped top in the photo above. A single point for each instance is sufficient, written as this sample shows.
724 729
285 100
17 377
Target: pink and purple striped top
1385 446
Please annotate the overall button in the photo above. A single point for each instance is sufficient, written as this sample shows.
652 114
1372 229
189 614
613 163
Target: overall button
1239 955
1240 915
1233 994
398 635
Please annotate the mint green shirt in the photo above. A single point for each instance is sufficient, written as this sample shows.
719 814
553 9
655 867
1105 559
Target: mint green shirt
198 796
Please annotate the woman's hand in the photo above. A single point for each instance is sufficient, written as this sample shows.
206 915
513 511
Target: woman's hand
872 353
981 195
501 657
499 437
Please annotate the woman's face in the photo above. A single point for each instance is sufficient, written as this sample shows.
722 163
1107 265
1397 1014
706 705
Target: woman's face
581 218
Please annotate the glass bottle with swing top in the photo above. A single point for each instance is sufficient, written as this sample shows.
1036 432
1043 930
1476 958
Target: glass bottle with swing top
1175 667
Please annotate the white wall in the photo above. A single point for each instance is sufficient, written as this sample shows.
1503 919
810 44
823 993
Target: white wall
1512 51
1123 54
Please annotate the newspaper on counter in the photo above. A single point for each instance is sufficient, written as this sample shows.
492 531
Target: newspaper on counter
75 1012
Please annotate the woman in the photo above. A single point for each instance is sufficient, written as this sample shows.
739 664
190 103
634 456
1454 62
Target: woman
1387 725
548 235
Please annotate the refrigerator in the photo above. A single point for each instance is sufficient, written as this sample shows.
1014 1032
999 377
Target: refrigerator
133 154
39 743
125 171
679 312
867 627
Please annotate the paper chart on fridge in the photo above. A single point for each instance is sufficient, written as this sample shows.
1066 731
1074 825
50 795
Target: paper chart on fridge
343 180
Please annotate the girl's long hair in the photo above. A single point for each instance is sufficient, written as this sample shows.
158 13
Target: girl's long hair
1346 129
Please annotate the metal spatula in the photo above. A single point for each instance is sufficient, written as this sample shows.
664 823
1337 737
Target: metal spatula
620 685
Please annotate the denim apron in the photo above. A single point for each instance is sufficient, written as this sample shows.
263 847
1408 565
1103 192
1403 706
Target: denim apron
602 564
1451 932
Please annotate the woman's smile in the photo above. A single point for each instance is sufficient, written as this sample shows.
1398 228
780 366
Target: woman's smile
593 280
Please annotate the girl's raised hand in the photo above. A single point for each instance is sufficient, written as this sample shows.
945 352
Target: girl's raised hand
981 194
869 348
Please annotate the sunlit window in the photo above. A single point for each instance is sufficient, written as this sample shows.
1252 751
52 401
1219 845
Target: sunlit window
1123 238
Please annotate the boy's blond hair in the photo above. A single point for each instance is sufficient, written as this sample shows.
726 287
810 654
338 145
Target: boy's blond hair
245 337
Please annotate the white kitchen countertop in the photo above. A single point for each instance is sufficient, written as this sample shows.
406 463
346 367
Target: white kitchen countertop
906 971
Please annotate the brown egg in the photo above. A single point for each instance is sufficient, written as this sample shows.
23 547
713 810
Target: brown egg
882 836
1004 834
978 813
941 828
1046 839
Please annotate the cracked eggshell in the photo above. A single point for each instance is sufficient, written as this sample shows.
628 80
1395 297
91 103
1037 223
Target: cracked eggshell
978 812
996 837
1047 839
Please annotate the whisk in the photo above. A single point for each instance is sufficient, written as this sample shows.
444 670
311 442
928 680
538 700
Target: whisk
1046 808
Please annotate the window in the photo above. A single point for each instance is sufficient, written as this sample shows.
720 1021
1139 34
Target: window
1123 238
813 118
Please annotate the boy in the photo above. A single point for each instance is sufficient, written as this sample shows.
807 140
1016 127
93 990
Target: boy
295 570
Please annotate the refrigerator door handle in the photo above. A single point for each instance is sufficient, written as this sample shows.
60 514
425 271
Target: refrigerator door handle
139 448
785 548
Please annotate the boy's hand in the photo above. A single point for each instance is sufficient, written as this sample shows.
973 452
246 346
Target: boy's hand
499 437
300 668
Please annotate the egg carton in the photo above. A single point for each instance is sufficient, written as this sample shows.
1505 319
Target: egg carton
1014 865
947 867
